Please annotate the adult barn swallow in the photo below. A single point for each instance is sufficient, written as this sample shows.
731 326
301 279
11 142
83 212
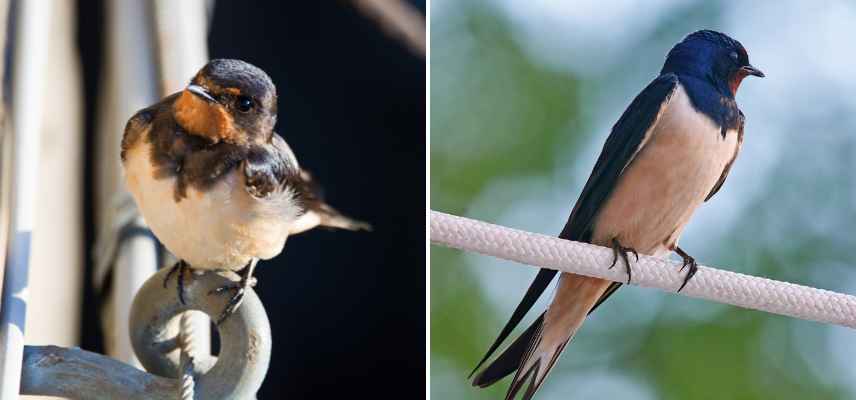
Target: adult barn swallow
669 152
216 185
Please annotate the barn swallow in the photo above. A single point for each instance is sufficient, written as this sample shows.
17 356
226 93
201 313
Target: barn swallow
217 186
668 153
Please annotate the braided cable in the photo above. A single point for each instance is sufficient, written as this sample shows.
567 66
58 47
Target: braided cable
586 259
188 352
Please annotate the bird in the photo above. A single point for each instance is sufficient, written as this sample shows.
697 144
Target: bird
669 152
217 186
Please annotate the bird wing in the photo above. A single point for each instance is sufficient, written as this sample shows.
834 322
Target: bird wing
727 168
274 167
624 142
142 120
268 168
318 212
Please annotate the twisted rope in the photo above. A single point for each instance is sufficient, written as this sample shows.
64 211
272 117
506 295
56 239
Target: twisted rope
586 259
188 352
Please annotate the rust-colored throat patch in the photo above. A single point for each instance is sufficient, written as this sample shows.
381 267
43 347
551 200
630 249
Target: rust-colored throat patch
211 120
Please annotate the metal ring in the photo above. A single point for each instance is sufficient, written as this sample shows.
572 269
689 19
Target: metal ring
245 337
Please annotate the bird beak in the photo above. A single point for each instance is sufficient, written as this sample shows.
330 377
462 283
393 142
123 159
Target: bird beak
201 92
750 70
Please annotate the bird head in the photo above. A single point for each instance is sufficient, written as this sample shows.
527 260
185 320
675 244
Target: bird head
713 57
228 100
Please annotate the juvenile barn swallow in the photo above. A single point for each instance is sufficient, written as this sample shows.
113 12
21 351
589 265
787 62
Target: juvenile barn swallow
216 185
669 152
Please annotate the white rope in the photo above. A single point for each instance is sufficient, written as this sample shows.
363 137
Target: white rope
188 354
586 259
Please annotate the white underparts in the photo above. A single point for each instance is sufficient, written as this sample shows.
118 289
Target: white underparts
221 228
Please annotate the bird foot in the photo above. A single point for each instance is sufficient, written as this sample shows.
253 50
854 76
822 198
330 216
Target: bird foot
689 262
180 267
620 251
239 290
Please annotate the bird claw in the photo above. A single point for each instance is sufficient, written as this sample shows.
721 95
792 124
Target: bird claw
689 262
619 250
236 299
180 267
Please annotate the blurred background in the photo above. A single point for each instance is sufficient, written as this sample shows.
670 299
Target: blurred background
523 95
346 309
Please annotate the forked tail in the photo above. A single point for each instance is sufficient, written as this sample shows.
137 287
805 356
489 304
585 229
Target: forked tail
536 351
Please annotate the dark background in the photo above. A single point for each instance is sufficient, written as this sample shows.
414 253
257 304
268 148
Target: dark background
347 309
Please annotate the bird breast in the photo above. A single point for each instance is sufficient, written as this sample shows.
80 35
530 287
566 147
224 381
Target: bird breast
680 160
222 227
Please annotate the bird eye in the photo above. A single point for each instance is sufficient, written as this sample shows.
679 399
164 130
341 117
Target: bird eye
734 56
244 104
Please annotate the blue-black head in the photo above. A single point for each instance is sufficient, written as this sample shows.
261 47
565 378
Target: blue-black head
712 57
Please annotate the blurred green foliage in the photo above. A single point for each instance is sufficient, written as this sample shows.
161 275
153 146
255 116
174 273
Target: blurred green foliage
500 115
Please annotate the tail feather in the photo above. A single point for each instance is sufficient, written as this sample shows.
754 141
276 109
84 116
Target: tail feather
545 340
318 212
324 215
509 360
542 280
527 374
519 381
535 367
331 218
